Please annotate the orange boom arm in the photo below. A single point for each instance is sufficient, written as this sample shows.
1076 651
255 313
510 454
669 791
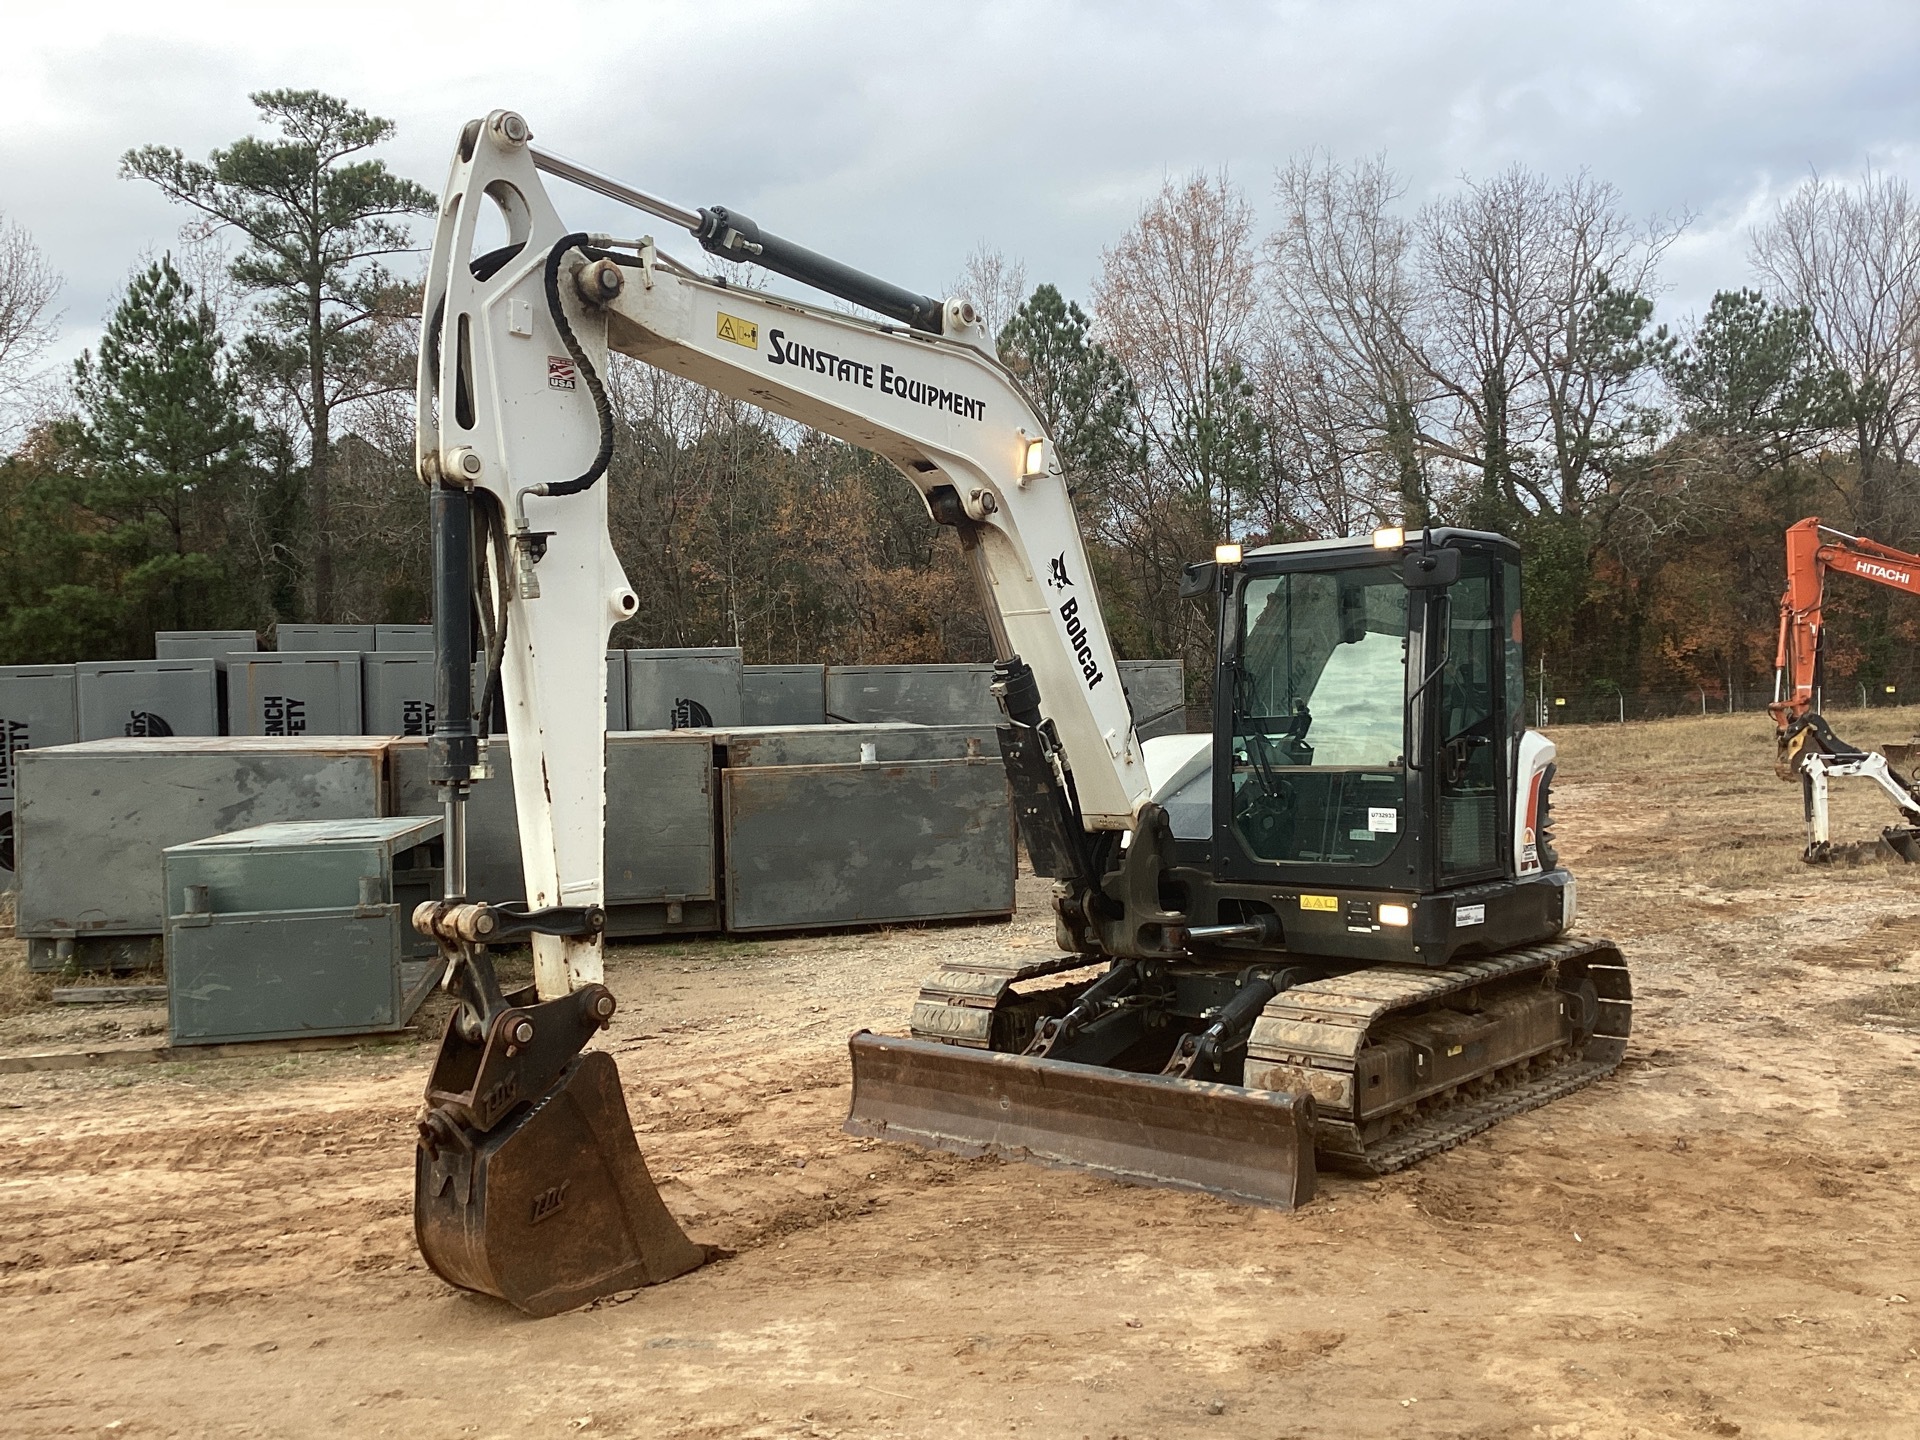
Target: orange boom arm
1812 550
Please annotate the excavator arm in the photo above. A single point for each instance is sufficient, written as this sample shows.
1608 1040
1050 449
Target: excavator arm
1808 748
515 436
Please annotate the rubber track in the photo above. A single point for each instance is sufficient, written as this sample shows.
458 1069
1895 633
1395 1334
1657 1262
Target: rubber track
1363 998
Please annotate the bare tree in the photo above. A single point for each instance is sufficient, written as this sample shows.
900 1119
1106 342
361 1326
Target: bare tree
28 322
1349 345
995 284
1851 258
1538 315
1179 302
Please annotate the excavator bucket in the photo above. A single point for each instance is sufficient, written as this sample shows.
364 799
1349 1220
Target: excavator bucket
529 1184
1250 1146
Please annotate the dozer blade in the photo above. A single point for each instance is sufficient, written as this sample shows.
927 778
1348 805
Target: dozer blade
547 1204
1251 1146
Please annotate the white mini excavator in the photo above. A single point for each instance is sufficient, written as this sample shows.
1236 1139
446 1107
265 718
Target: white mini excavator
1332 931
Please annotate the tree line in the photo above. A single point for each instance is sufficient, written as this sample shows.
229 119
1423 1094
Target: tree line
236 451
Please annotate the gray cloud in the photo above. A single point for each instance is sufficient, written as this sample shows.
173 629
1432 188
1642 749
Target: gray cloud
899 138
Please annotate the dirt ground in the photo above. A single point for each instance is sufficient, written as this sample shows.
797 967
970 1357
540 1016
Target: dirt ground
1719 1240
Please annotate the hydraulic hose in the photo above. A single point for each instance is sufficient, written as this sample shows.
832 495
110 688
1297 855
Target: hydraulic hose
602 409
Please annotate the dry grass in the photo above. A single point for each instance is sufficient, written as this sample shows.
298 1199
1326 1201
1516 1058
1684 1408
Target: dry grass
1726 821
20 989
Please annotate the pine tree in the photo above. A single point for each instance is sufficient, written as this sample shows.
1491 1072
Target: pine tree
162 443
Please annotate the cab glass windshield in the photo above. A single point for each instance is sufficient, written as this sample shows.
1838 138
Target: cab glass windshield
1320 717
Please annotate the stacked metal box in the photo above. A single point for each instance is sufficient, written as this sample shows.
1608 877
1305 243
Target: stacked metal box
917 694
147 697
325 637
916 821
37 709
783 695
1157 694
299 928
312 692
417 638
397 692
94 820
203 644
685 689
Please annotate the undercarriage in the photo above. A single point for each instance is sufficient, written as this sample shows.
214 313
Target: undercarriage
1240 1082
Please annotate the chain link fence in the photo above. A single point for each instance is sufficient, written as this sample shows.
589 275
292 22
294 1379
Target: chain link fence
1599 702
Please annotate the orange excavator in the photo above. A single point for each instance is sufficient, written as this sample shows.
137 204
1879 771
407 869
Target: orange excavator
1808 748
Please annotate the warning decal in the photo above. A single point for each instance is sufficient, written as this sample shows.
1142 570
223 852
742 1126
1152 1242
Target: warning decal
740 332
1319 902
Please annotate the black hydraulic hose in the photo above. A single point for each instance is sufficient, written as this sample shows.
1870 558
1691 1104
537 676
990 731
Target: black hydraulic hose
602 408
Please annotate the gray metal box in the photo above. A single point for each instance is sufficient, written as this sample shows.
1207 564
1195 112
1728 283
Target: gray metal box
37 709
660 818
847 744
203 644
315 692
95 818
617 690
300 928
147 697
493 834
783 695
691 689
1157 694
921 694
324 637
416 638
396 693
660 822
826 845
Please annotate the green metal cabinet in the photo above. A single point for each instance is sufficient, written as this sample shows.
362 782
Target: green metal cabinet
299 928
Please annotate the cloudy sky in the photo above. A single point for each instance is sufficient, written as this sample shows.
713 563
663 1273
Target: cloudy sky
899 137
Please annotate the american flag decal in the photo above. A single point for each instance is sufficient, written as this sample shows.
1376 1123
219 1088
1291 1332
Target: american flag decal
560 373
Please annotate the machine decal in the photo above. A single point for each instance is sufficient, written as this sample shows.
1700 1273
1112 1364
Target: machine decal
560 374
1057 573
820 362
1383 820
741 332
1529 849
1319 902
14 737
921 392
1082 646
1469 915
857 372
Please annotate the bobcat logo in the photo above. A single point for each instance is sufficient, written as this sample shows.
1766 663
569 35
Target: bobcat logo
145 722
690 715
1058 579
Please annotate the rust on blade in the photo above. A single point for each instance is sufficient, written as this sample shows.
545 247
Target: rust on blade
1250 1146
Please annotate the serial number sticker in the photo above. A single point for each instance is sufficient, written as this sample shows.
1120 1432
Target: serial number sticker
1383 820
1319 902
560 374
740 332
1469 915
